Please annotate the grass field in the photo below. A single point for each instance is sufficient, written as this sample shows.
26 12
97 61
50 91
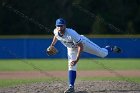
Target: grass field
61 64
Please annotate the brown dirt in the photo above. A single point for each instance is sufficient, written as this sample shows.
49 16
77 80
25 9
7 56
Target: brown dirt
58 86
80 87
37 74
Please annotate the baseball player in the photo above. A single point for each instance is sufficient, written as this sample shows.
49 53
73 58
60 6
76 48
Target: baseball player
75 44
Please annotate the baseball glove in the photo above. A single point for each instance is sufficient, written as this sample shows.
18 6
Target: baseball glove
51 50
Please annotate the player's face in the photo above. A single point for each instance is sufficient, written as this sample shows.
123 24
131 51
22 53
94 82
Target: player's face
61 28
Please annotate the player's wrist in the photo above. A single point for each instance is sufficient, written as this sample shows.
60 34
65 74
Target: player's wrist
52 45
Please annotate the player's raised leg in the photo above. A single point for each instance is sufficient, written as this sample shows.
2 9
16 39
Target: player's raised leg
93 48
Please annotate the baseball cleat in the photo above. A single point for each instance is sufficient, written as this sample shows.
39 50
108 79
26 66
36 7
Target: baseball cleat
70 90
116 49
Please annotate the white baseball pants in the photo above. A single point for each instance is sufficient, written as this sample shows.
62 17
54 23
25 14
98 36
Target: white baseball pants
89 47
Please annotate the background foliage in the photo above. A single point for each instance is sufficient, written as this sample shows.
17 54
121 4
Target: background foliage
85 16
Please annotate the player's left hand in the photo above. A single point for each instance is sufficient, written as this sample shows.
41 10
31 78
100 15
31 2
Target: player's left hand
51 50
73 63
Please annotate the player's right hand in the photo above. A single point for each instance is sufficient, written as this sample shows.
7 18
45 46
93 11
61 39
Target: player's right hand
73 63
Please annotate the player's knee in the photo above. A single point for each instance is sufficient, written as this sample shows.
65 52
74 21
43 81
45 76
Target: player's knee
104 53
103 56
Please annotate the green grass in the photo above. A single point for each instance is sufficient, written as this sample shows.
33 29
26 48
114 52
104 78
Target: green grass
116 64
13 82
61 64
31 65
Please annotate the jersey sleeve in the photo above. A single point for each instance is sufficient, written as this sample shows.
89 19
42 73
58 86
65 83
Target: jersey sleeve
75 37
55 32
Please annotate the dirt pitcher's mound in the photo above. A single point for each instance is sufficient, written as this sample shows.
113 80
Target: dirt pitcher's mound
81 87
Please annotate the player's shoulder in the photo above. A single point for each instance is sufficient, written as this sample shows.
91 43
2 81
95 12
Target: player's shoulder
55 31
70 30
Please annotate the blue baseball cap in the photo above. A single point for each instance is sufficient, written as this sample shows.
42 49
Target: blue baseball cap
60 22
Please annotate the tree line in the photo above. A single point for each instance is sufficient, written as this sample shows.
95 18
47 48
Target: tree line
37 17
